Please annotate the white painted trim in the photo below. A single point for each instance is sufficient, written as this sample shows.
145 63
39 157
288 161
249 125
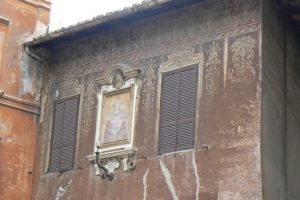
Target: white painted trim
132 83
181 57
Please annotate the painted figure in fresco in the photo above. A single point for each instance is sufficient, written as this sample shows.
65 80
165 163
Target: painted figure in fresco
116 126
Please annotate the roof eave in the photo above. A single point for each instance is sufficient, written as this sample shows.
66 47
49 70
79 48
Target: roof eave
101 21
98 21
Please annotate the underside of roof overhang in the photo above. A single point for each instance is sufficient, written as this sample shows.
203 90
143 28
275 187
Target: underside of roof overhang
291 10
145 9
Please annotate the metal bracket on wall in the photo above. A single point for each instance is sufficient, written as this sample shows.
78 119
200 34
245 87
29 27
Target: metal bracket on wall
107 163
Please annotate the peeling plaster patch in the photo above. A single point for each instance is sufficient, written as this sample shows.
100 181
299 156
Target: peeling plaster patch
8 140
145 184
257 155
226 195
13 78
56 93
31 77
5 125
37 97
40 29
229 195
43 107
61 191
26 81
168 179
197 177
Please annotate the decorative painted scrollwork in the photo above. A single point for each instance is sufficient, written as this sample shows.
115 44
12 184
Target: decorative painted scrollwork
211 68
242 58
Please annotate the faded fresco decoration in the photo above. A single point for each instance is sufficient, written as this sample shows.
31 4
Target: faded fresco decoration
227 34
115 123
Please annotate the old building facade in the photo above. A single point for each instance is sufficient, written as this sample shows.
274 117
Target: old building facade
183 99
20 87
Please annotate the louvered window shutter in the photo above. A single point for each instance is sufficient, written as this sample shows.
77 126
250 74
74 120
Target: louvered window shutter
64 134
178 105
168 113
186 109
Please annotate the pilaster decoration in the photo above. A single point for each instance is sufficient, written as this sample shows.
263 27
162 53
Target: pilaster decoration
89 101
242 71
149 85
117 94
211 68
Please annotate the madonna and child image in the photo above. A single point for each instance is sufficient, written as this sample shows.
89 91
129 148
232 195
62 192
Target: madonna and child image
116 116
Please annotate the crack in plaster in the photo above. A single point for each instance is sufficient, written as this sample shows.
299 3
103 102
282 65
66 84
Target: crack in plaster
145 184
61 191
168 179
197 176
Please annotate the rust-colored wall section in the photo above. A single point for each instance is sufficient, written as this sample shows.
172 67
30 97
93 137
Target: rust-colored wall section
22 20
18 133
225 163
20 82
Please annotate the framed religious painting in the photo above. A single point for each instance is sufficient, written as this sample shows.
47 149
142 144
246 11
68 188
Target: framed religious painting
117 99
116 122
117 108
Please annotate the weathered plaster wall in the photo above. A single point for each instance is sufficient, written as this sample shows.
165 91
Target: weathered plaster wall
24 20
17 153
228 35
21 81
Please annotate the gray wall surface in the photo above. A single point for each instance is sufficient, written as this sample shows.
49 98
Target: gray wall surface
280 107
293 114
273 104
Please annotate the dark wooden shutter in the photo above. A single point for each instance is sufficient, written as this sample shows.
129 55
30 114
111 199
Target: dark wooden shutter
178 105
186 109
168 113
64 134
57 131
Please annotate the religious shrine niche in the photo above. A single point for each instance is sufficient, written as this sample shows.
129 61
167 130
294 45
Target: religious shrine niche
117 95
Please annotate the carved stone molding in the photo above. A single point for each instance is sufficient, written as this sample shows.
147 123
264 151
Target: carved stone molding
4 21
19 104
114 160
117 76
119 82
180 57
115 150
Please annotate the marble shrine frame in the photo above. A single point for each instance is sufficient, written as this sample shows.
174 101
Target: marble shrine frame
118 93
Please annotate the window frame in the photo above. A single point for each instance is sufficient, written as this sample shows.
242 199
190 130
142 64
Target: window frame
179 57
194 117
